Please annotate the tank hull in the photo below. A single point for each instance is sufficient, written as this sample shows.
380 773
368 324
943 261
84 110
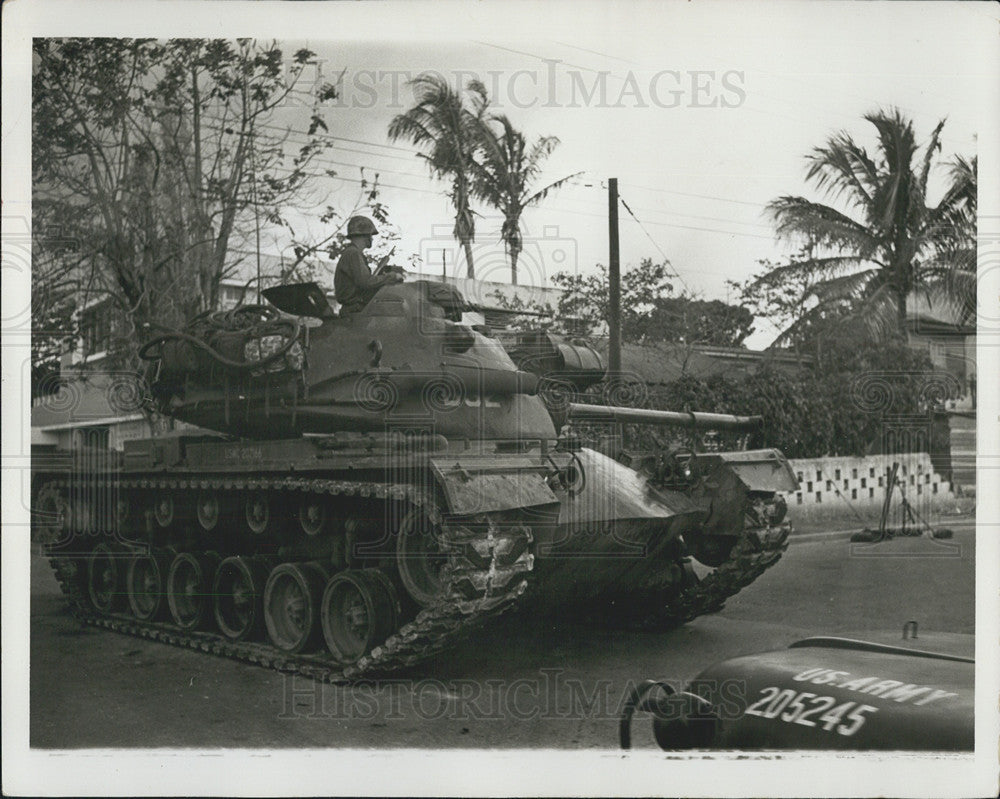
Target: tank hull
381 484
493 529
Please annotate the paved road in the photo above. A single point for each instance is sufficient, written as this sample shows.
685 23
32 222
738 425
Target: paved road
520 684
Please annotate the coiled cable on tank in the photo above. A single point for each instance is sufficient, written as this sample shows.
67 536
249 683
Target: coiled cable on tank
257 321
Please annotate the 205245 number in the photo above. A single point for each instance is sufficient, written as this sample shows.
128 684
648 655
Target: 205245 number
805 708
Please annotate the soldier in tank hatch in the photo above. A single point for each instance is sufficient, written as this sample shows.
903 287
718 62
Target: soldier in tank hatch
353 281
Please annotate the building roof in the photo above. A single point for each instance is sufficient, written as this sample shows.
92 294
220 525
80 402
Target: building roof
96 398
663 363
927 314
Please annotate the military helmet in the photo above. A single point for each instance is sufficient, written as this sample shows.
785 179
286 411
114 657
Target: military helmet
361 226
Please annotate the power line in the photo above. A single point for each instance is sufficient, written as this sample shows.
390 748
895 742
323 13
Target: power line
560 210
655 243
691 194
412 154
595 52
379 171
666 224
673 213
549 60
305 137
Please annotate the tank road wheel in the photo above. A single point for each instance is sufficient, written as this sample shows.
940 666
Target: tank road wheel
164 509
189 589
208 509
237 593
104 579
145 584
291 605
262 513
358 612
419 558
312 514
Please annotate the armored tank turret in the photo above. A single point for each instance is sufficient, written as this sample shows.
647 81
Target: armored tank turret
361 491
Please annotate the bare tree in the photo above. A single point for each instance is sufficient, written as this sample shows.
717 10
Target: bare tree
156 156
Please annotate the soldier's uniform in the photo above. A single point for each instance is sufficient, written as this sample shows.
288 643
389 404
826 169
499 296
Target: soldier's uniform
353 282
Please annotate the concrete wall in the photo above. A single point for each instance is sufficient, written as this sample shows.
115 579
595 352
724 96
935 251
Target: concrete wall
852 490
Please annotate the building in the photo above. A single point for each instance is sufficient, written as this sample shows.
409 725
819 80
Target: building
97 405
942 331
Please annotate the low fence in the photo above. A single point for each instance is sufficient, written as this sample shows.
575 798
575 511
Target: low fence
853 488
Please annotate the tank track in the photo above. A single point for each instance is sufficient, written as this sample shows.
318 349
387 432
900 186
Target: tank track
433 630
651 606
655 607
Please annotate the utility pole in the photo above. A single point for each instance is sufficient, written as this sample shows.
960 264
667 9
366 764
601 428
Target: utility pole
614 285
444 265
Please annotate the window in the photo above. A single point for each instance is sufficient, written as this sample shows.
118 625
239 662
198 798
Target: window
96 328
229 296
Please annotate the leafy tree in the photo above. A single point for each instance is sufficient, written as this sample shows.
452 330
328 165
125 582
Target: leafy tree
890 241
783 299
853 394
692 321
447 124
504 173
649 312
779 300
585 297
156 156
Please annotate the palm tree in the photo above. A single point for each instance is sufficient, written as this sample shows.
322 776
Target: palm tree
442 123
504 174
890 242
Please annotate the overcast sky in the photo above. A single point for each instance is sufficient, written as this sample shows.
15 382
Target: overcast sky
704 113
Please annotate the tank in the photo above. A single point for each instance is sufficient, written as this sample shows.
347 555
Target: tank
357 493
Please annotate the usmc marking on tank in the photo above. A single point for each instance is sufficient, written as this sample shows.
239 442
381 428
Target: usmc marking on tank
244 454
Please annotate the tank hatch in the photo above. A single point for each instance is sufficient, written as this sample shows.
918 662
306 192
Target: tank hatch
300 299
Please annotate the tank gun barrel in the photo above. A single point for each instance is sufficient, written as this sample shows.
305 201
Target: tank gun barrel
496 309
717 421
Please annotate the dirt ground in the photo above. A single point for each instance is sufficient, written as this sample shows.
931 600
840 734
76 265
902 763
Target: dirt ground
520 683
